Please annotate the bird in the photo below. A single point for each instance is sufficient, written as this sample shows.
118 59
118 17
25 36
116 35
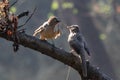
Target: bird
78 44
47 29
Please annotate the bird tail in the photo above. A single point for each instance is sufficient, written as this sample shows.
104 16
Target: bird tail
84 65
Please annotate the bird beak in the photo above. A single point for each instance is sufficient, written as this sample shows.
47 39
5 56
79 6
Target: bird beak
68 27
58 21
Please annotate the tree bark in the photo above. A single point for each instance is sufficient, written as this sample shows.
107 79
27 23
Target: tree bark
59 54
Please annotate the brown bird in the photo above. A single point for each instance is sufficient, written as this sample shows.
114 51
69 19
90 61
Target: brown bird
79 45
47 29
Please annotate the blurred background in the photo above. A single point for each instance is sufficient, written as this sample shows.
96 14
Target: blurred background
99 21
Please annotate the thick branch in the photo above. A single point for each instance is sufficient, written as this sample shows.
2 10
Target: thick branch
59 54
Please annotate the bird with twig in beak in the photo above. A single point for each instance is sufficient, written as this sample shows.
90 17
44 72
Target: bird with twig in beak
47 29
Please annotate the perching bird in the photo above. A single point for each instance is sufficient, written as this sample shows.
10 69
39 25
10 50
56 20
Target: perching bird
47 29
79 45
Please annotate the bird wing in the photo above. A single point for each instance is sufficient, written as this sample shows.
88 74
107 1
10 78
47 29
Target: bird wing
84 43
86 48
81 51
41 28
78 46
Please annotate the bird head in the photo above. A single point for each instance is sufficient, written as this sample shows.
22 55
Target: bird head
73 28
53 20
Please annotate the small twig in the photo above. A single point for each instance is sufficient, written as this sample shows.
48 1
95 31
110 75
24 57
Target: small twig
23 14
13 3
27 19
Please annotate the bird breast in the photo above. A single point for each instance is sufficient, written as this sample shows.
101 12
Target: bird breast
71 37
48 33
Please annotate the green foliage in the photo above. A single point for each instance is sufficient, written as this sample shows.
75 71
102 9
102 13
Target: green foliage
67 5
54 5
13 10
70 5
75 11
105 8
102 36
102 7
50 14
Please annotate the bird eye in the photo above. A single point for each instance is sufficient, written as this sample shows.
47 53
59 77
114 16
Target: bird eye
56 20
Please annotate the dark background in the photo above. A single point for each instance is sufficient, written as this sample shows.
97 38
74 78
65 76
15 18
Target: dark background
99 21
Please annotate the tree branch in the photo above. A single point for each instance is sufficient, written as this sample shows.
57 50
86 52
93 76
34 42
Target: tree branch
59 54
